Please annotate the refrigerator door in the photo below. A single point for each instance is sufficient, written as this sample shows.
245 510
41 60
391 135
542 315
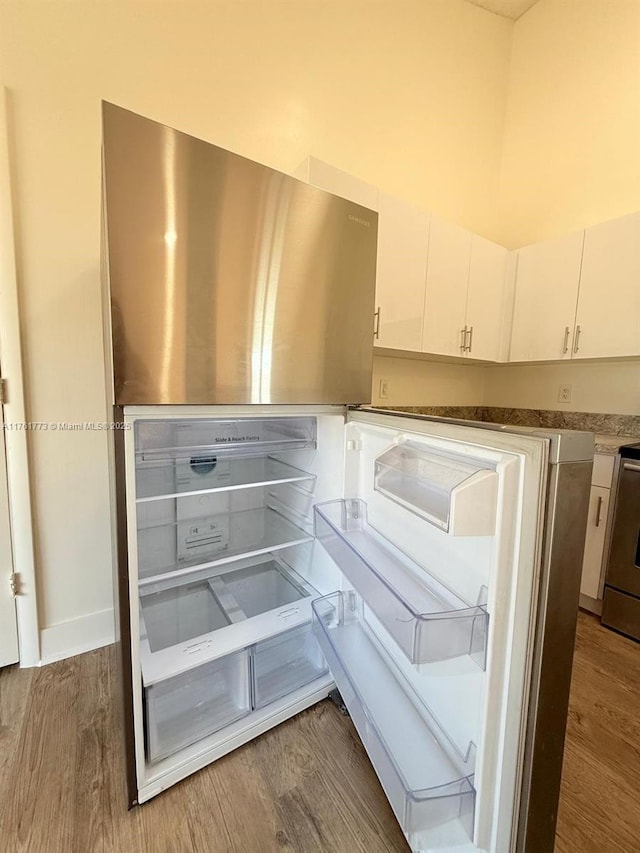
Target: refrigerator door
430 639
230 282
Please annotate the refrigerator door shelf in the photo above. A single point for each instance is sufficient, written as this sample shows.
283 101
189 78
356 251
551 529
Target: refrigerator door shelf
168 438
204 474
456 494
188 707
186 623
201 543
427 621
429 786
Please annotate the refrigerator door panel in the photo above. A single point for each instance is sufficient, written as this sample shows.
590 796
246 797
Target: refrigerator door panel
476 709
230 282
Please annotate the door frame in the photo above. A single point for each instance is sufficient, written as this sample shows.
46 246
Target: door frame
17 451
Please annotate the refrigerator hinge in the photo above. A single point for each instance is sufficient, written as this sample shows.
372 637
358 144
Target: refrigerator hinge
3 392
14 583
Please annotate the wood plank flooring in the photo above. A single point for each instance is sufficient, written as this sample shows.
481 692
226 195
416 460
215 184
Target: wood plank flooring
305 787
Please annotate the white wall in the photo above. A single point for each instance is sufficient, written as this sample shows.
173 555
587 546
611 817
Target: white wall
608 387
572 130
413 382
407 94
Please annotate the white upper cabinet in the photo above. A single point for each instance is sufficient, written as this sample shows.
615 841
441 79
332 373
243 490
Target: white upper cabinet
335 181
547 280
403 240
464 298
485 299
446 292
608 317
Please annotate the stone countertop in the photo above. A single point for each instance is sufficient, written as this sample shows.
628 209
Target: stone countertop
611 444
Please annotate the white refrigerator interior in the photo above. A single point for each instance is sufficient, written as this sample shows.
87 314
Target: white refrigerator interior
276 551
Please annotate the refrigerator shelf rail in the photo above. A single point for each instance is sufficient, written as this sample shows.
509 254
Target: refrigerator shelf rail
169 438
431 790
457 494
427 621
205 474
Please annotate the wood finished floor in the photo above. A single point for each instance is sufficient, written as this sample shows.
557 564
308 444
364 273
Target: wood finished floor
305 787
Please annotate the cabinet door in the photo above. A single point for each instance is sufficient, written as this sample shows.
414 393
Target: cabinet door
546 296
594 542
327 177
403 240
485 297
609 298
446 292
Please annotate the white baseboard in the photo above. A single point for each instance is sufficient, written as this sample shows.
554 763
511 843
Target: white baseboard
593 605
77 636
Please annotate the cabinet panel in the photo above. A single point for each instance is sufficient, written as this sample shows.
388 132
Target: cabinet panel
547 280
485 298
594 542
403 240
446 291
327 177
609 298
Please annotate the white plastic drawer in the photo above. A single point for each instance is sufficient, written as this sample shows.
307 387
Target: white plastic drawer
285 663
188 707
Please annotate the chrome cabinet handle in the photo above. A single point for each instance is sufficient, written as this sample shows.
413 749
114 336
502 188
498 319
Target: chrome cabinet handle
376 328
577 340
463 344
470 344
598 511
565 346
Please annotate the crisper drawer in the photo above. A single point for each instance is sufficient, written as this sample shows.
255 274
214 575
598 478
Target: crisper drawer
285 663
188 707
428 783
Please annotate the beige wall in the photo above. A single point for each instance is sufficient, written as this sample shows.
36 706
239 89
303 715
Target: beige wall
391 90
610 387
571 159
572 131
427 383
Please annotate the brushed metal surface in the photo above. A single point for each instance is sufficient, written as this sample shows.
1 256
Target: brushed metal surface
230 282
623 568
621 612
565 526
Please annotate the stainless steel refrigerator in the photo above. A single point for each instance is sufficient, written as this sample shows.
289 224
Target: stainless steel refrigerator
276 539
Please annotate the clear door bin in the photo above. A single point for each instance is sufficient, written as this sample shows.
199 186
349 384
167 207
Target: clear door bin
457 494
428 621
429 786
285 663
169 438
188 707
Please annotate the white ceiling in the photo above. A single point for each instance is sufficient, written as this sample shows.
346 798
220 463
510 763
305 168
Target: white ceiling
507 8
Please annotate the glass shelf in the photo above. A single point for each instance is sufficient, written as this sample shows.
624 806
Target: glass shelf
169 438
428 621
171 615
211 541
430 786
194 475
457 494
